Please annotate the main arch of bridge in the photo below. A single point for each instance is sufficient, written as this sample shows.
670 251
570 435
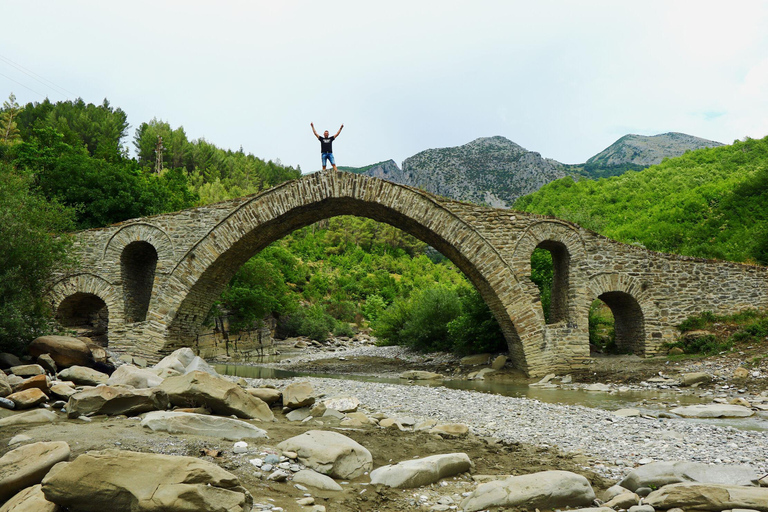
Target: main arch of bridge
200 276
158 276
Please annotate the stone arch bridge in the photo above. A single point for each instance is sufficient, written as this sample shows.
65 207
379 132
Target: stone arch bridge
154 279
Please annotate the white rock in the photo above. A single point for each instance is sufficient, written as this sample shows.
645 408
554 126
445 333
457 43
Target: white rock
544 490
201 424
419 472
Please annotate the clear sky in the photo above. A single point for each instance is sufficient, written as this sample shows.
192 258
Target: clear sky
564 78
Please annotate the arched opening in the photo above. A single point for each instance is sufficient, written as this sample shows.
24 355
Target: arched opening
86 313
550 262
628 334
346 278
137 264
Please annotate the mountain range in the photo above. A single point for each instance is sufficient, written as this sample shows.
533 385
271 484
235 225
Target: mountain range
495 171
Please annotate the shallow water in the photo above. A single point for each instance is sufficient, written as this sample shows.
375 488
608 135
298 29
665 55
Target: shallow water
648 402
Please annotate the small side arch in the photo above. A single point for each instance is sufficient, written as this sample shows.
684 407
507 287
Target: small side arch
630 305
141 232
86 299
568 251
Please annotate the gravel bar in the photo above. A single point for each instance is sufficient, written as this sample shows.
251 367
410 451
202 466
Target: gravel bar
613 444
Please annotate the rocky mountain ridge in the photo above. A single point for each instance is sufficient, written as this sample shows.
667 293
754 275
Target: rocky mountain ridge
495 171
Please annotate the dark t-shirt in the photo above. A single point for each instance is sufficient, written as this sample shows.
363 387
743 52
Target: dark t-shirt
325 144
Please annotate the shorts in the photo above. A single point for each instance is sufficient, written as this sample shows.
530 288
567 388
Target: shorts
326 157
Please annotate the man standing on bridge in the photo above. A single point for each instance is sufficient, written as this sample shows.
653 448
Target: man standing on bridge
326 149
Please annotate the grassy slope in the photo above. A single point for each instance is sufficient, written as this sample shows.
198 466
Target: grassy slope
709 203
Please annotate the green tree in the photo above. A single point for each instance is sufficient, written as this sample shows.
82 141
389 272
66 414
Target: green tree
9 131
30 253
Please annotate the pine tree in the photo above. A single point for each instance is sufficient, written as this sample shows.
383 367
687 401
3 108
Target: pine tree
9 132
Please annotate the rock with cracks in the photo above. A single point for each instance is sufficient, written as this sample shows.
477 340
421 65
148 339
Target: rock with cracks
544 490
330 453
28 464
120 481
219 395
419 472
110 401
202 424
30 499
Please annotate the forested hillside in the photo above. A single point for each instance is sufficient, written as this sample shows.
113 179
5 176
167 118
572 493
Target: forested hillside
711 203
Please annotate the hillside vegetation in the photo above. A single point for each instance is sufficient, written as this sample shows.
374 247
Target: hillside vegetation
710 203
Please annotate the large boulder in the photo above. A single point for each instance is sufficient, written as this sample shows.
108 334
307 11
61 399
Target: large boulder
110 401
342 403
27 370
268 395
219 395
202 424
5 386
689 379
198 364
544 490
124 480
28 464
48 364
715 497
30 499
330 453
659 474
312 478
28 398
130 375
419 472
29 417
38 381
83 376
64 350
298 394
9 360
713 411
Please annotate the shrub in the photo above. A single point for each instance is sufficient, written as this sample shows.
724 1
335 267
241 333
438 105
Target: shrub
312 321
697 322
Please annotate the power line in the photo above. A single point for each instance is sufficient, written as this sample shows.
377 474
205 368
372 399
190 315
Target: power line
21 84
42 80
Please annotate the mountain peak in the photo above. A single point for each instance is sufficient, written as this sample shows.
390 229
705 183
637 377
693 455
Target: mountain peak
634 152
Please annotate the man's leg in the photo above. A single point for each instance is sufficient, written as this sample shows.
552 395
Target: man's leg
333 161
324 157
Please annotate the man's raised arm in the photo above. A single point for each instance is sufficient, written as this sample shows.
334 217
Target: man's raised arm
338 132
313 129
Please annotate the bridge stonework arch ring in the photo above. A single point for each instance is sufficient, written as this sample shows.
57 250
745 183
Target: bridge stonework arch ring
202 273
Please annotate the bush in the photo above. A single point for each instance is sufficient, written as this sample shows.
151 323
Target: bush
705 345
697 322
476 330
312 322
427 326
